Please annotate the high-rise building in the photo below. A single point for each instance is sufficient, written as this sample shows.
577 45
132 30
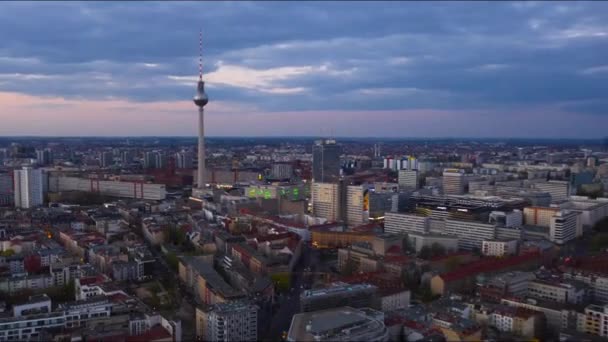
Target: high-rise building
200 100
184 160
229 321
565 226
453 182
44 156
149 160
3 155
281 171
126 157
326 201
357 205
326 161
6 188
160 160
106 159
28 187
408 179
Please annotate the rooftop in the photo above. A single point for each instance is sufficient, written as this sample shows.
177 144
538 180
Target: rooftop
344 323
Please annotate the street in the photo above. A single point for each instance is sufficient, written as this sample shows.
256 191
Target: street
289 304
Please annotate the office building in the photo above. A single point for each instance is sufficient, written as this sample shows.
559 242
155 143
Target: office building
28 187
417 241
565 226
126 189
149 160
339 324
453 182
595 320
567 291
184 160
471 234
229 321
340 294
281 171
539 216
326 161
357 205
6 188
559 190
401 223
126 157
326 201
44 157
160 160
408 179
499 248
106 159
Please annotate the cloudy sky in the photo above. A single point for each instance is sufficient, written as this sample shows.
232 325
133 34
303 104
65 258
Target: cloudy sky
394 69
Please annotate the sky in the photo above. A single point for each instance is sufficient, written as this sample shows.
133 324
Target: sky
383 69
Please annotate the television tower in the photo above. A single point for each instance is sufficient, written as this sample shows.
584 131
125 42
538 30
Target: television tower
200 100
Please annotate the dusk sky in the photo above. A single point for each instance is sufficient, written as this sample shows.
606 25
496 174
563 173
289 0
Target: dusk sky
384 69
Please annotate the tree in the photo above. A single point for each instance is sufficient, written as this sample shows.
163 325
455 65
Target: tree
7 253
349 268
452 263
437 249
173 261
425 253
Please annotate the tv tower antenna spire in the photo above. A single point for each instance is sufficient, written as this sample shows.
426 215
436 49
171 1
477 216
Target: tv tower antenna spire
200 55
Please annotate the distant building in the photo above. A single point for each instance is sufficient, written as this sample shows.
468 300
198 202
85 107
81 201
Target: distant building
565 226
326 161
402 223
184 160
499 248
28 188
230 321
408 179
559 190
281 171
106 159
339 324
357 205
6 188
326 201
44 157
453 182
126 157
471 234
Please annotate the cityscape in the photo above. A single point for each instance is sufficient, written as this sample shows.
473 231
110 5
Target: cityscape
246 171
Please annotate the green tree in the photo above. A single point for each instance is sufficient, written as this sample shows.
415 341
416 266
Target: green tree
7 253
349 268
425 253
452 263
599 242
173 261
437 249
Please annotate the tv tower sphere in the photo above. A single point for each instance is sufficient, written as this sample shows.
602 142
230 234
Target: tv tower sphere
200 99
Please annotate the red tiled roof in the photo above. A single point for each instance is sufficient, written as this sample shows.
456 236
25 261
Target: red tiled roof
487 265
394 250
157 332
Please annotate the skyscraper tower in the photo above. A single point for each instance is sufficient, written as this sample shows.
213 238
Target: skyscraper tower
200 100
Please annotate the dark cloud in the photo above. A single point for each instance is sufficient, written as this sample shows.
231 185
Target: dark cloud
359 55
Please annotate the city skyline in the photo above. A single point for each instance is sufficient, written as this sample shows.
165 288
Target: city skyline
522 69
